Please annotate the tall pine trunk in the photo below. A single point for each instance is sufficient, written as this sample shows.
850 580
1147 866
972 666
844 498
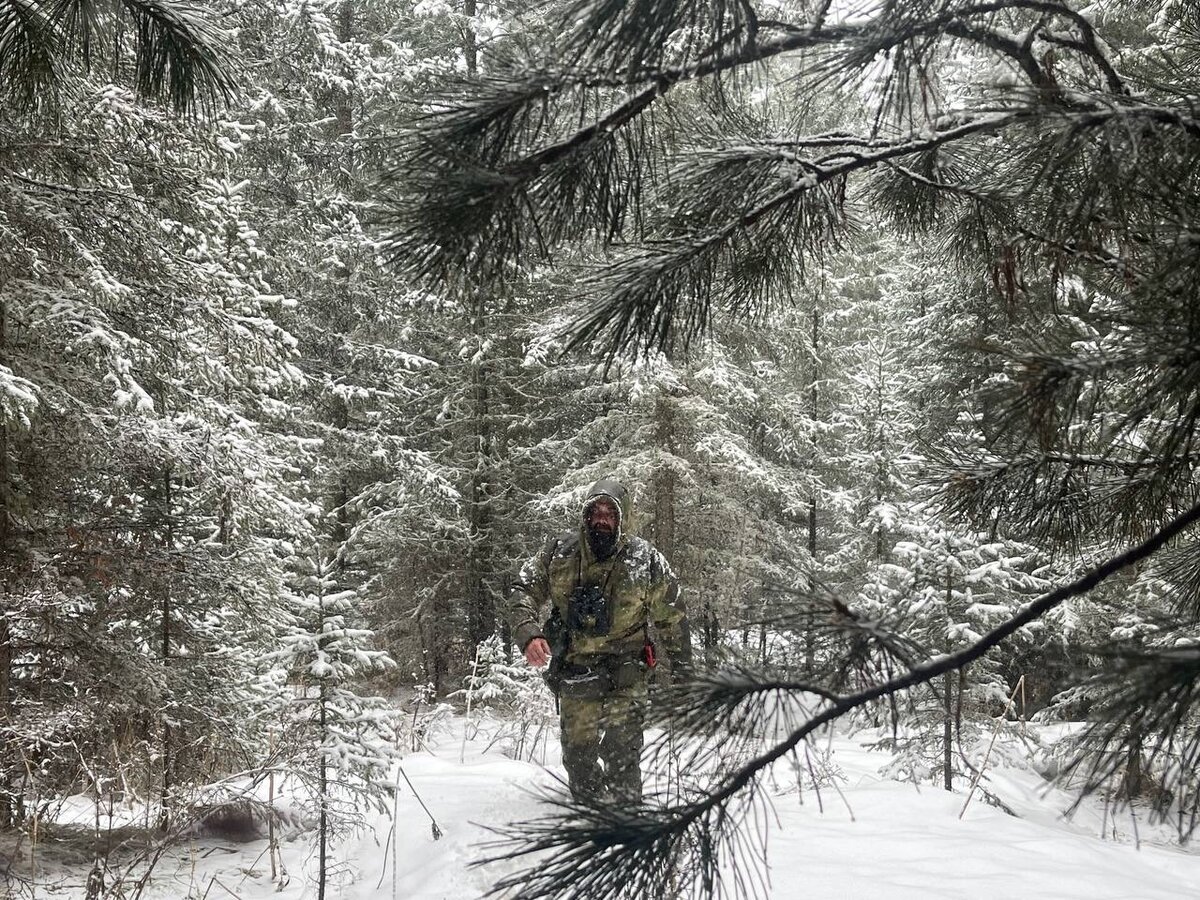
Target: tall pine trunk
322 782
481 615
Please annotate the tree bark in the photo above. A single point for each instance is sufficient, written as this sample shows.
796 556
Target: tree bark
880 466
322 791
1133 782
947 732
481 614
322 736
470 45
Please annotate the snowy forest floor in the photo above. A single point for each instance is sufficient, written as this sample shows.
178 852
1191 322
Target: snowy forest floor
875 838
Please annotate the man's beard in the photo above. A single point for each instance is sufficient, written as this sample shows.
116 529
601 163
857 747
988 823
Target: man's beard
602 541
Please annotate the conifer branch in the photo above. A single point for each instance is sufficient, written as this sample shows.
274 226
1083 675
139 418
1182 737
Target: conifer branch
954 661
494 171
178 55
1144 714
603 849
666 290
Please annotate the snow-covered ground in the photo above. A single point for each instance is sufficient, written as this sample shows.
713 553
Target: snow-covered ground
880 839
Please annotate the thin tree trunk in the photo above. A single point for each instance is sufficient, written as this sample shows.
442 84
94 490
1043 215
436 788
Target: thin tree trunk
470 45
664 478
506 638
272 843
810 637
322 736
322 793
164 816
481 616
880 470
947 732
343 111
948 704
1133 784
712 625
6 800
427 647
740 592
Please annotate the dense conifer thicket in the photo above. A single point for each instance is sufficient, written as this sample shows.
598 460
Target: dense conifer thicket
315 318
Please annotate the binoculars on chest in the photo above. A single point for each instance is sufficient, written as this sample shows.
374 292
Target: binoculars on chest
588 611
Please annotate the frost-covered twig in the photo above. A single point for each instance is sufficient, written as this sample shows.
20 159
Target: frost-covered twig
1020 686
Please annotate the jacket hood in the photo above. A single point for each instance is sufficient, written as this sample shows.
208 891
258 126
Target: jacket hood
615 491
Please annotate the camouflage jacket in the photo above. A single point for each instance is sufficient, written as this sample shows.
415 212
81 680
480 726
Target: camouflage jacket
636 580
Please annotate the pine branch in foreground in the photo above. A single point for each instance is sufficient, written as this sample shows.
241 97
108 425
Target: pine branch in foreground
1145 734
605 851
1053 473
536 156
178 54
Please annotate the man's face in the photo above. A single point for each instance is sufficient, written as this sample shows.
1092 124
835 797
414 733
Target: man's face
602 517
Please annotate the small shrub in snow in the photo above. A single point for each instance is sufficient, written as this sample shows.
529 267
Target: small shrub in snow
511 698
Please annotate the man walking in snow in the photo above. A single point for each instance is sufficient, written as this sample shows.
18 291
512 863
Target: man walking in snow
615 613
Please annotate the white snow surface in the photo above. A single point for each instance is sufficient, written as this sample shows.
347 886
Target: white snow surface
881 839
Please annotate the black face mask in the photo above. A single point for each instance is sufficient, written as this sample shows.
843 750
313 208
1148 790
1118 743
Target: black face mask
601 541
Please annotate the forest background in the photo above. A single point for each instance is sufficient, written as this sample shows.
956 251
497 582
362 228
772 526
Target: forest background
257 467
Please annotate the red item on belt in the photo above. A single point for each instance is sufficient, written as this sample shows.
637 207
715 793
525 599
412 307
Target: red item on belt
648 652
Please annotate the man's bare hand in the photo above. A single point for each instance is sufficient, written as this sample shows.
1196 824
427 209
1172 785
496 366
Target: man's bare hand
537 652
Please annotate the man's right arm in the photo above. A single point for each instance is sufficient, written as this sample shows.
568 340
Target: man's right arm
528 596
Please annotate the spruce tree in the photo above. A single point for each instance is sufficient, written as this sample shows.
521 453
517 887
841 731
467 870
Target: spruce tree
143 490
337 742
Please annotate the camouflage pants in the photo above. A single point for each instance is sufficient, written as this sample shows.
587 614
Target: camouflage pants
606 730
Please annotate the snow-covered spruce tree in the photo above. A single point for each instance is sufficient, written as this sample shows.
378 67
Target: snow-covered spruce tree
944 590
57 181
861 360
463 525
940 584
142 495
1031 154
761 477
336 742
